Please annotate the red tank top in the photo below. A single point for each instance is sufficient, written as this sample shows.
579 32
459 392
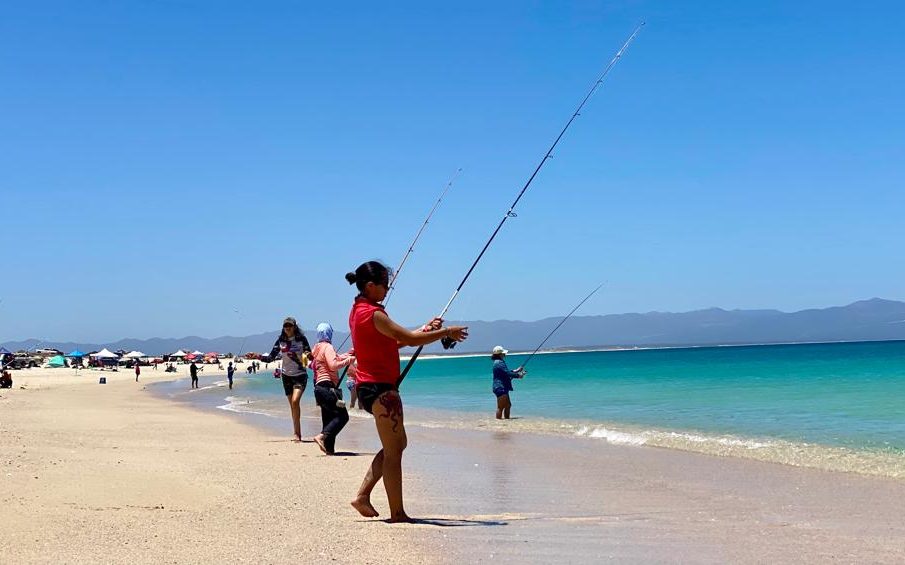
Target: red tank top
377 354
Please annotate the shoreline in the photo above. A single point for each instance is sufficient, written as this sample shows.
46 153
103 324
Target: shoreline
582 501
889 463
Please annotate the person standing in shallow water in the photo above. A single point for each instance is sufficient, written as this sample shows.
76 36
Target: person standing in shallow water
193 372
230 371
293 346
376 340
502 381
327 393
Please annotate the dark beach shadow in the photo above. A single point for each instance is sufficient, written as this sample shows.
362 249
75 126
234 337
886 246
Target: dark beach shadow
349 454
453 522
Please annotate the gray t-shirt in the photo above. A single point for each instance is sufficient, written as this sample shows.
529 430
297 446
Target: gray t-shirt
291 351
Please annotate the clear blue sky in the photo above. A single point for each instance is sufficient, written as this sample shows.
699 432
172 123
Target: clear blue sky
164 163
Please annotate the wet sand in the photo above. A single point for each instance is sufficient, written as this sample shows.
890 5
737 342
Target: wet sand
540 499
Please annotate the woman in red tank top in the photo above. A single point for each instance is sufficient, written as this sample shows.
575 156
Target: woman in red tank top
377 339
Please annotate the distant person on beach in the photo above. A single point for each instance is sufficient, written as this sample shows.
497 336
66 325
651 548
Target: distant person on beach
293 345
230 370
137 370
376 339
6 379
193 371
502 381
327 393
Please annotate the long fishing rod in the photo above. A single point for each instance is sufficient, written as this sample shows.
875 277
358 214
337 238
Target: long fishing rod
408 252
411 248
447 343
559 325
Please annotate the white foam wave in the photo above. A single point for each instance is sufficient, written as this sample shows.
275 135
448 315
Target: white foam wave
612 436
720 440
242 405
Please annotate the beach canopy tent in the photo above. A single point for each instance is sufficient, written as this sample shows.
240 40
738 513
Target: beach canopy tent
197 353
57 361
104 354
134 355
179 353
75 353
5 351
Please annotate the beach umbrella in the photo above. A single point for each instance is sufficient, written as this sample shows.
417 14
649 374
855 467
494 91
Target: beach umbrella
134 355
197 353
179 353
212 354
75 353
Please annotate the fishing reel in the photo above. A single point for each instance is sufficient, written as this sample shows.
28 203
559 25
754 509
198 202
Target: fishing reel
448 342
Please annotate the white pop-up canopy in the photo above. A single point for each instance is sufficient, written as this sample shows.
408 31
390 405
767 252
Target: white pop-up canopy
196 352
105 354
179 353
134 355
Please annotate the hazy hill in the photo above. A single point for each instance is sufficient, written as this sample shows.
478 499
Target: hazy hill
866 320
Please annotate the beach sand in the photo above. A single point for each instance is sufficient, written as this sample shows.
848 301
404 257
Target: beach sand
114 473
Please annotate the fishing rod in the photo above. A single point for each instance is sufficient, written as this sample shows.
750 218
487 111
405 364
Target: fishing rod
449 343
411 248
242 346
559 325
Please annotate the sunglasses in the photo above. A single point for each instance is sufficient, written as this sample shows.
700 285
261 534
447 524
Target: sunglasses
288 325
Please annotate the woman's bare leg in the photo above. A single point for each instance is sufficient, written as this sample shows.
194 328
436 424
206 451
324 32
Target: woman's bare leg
295 408
501 402
388 462
353 396
362 502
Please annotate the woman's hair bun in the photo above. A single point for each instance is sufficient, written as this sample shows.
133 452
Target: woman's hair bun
351 278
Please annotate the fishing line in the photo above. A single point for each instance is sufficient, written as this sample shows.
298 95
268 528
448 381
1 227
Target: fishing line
448 343
559 325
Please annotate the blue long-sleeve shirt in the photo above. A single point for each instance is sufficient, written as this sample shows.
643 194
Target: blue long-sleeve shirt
502 376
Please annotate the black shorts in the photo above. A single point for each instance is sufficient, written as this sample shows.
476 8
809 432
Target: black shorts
292 383
368 393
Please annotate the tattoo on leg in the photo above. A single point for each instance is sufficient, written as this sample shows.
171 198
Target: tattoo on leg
393 405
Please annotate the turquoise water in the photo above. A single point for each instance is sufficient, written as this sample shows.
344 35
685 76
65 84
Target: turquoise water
777 402
835 394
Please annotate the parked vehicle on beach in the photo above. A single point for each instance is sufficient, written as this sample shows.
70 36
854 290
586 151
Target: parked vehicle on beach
24 361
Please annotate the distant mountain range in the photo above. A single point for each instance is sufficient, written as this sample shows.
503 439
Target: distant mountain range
866 320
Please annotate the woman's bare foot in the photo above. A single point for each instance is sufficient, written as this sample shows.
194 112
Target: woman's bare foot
363 505
319 440
401 518
296 439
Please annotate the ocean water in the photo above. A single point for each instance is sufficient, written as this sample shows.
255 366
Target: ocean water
837 406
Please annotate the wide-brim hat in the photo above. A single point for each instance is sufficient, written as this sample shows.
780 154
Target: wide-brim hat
498 350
